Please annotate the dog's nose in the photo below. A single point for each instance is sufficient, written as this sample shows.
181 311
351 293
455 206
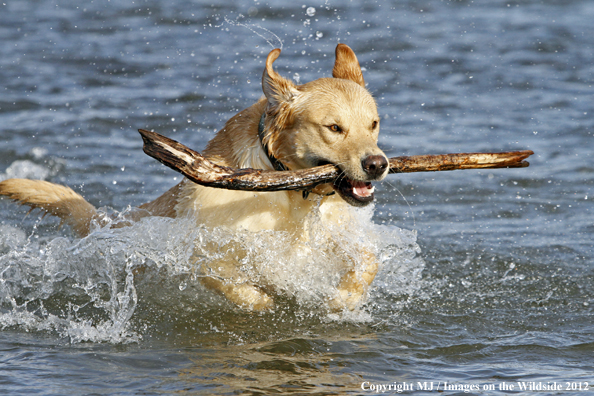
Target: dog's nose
375 165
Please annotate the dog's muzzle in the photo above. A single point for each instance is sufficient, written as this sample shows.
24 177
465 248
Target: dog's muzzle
360 192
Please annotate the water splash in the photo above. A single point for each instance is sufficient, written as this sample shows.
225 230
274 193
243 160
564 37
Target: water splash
25 169
266 34
119 284
31 169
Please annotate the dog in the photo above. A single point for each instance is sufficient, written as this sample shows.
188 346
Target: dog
332 120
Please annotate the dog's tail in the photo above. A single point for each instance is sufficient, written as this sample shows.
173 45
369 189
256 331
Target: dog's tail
54 199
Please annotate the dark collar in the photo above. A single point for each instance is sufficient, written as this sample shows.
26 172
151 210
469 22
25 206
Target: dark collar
276 164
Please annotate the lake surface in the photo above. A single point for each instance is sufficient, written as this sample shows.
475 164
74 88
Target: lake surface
487 277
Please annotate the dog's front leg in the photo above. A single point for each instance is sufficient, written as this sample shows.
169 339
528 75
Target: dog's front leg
224 275
352 289
245 295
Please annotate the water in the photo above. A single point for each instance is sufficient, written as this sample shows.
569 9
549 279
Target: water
486 276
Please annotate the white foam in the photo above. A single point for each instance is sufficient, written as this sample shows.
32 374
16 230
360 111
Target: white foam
38 152
25 169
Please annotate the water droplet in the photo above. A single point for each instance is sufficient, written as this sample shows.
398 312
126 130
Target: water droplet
182 286
311 11
319 34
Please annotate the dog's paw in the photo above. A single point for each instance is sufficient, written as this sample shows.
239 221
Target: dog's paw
349 299
250 297
245 295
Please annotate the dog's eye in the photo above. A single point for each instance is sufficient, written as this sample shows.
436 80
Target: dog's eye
335 128
374 125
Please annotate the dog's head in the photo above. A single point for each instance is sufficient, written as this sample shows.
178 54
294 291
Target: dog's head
327 121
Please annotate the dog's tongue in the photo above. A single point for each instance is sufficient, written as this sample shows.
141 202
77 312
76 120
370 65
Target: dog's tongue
362 189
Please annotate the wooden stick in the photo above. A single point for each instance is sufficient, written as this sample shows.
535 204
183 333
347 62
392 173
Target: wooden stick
446 162
204 172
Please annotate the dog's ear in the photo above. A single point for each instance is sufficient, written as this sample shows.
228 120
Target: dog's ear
347 65
276 88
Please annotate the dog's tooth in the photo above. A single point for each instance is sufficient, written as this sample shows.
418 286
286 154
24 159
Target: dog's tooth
362 190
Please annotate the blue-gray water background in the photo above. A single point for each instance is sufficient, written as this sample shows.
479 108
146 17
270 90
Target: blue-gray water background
500 290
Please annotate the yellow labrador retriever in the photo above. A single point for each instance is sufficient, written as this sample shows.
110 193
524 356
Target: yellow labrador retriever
329 120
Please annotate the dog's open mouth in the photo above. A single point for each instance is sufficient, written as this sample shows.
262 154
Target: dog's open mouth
356 193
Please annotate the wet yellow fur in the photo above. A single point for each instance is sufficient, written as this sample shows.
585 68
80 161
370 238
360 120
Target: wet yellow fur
298 134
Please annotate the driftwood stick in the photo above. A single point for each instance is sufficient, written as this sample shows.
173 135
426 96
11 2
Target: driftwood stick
446 162
204 172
